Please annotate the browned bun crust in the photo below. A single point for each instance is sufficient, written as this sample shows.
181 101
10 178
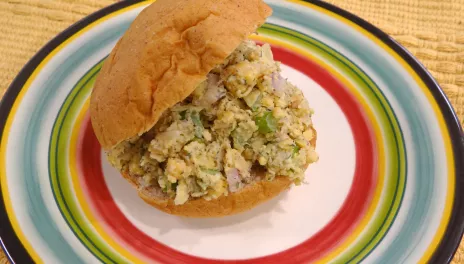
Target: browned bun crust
248 197
167 51
245 199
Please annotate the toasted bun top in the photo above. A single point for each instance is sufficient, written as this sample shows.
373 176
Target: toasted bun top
167 51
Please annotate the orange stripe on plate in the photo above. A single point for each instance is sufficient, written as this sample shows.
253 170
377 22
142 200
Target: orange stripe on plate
78 188
379 140
4 140
441 122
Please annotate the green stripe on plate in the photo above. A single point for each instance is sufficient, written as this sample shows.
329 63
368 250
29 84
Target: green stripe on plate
386 212
396 155
59 171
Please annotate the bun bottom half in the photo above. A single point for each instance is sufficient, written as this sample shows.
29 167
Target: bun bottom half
253 194
248 197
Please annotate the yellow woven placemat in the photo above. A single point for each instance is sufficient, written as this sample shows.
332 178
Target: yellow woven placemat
432 30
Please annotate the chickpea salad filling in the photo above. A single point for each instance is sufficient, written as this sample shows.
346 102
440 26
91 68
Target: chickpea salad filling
245 116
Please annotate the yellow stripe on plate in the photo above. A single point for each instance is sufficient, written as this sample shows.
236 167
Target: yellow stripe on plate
441 122
80 194
378 134
6 131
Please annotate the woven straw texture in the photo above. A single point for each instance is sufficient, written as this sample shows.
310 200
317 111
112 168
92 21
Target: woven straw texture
433 30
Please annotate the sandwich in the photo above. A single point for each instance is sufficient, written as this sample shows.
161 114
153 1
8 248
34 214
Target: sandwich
196 116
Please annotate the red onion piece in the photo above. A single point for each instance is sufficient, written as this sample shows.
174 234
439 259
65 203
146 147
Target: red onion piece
213 92
233 179
278 83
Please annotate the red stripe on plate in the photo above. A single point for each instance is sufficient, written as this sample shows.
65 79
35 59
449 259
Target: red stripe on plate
314 247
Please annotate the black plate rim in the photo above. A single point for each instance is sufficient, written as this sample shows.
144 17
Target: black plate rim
16 252
455 229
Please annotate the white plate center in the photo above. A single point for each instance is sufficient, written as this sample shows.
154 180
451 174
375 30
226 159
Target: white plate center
274 226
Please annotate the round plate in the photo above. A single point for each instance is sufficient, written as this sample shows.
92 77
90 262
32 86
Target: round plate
389 186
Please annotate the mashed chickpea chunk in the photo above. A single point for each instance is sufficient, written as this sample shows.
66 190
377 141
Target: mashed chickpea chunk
244 115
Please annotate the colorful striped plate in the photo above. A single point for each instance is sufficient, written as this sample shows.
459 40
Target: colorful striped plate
389 186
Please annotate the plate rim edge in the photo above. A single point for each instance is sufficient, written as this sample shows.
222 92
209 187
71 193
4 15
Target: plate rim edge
455 228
